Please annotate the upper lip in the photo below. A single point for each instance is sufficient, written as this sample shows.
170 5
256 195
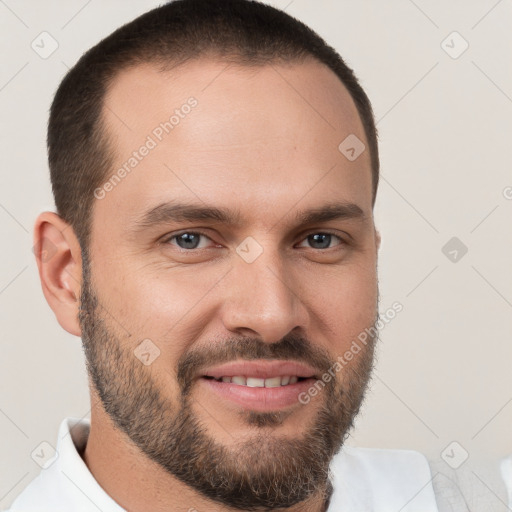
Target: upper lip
263 369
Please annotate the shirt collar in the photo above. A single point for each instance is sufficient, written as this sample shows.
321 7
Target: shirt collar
76 485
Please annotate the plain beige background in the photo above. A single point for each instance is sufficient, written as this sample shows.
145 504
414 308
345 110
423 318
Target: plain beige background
444 118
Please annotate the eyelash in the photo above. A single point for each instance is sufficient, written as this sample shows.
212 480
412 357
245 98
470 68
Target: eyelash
168 239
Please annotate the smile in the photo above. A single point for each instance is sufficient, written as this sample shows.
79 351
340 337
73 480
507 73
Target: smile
257 382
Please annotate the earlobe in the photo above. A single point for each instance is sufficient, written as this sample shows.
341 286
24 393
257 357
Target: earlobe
59 262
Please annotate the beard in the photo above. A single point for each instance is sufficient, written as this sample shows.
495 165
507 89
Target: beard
263 472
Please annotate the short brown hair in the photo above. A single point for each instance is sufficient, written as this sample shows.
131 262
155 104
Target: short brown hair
243 31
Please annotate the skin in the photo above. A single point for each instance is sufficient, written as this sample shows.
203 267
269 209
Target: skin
263 141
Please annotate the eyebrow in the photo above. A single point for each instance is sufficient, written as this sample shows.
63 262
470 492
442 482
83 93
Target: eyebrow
169 212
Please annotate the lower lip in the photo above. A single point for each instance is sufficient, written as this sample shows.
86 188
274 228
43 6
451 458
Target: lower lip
259 399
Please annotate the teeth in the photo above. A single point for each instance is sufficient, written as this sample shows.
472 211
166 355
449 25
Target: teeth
256 382
273 382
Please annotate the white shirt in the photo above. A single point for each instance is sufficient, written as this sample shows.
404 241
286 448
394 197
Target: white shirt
363 479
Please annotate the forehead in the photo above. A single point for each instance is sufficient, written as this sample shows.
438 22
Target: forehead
258 136
143 94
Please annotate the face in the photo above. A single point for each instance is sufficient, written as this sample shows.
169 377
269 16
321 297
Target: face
231 266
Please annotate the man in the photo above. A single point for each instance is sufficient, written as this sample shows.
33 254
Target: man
215 166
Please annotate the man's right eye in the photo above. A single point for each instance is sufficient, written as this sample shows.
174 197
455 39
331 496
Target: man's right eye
188 240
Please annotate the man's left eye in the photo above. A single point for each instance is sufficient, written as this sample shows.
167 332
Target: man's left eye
322 240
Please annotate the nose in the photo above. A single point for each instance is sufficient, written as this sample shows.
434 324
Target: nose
261 299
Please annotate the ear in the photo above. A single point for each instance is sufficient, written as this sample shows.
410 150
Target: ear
377 238
59 260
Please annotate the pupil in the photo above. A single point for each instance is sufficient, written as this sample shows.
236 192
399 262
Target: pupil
187 241
324 239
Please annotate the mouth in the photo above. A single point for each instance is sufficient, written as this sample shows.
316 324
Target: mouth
256 382
259 385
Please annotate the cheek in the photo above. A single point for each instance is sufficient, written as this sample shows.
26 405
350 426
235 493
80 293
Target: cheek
168 306
348 305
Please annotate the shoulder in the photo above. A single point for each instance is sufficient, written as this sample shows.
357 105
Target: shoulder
382 480
476 485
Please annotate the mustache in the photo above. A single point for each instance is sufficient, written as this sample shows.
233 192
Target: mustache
292 347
